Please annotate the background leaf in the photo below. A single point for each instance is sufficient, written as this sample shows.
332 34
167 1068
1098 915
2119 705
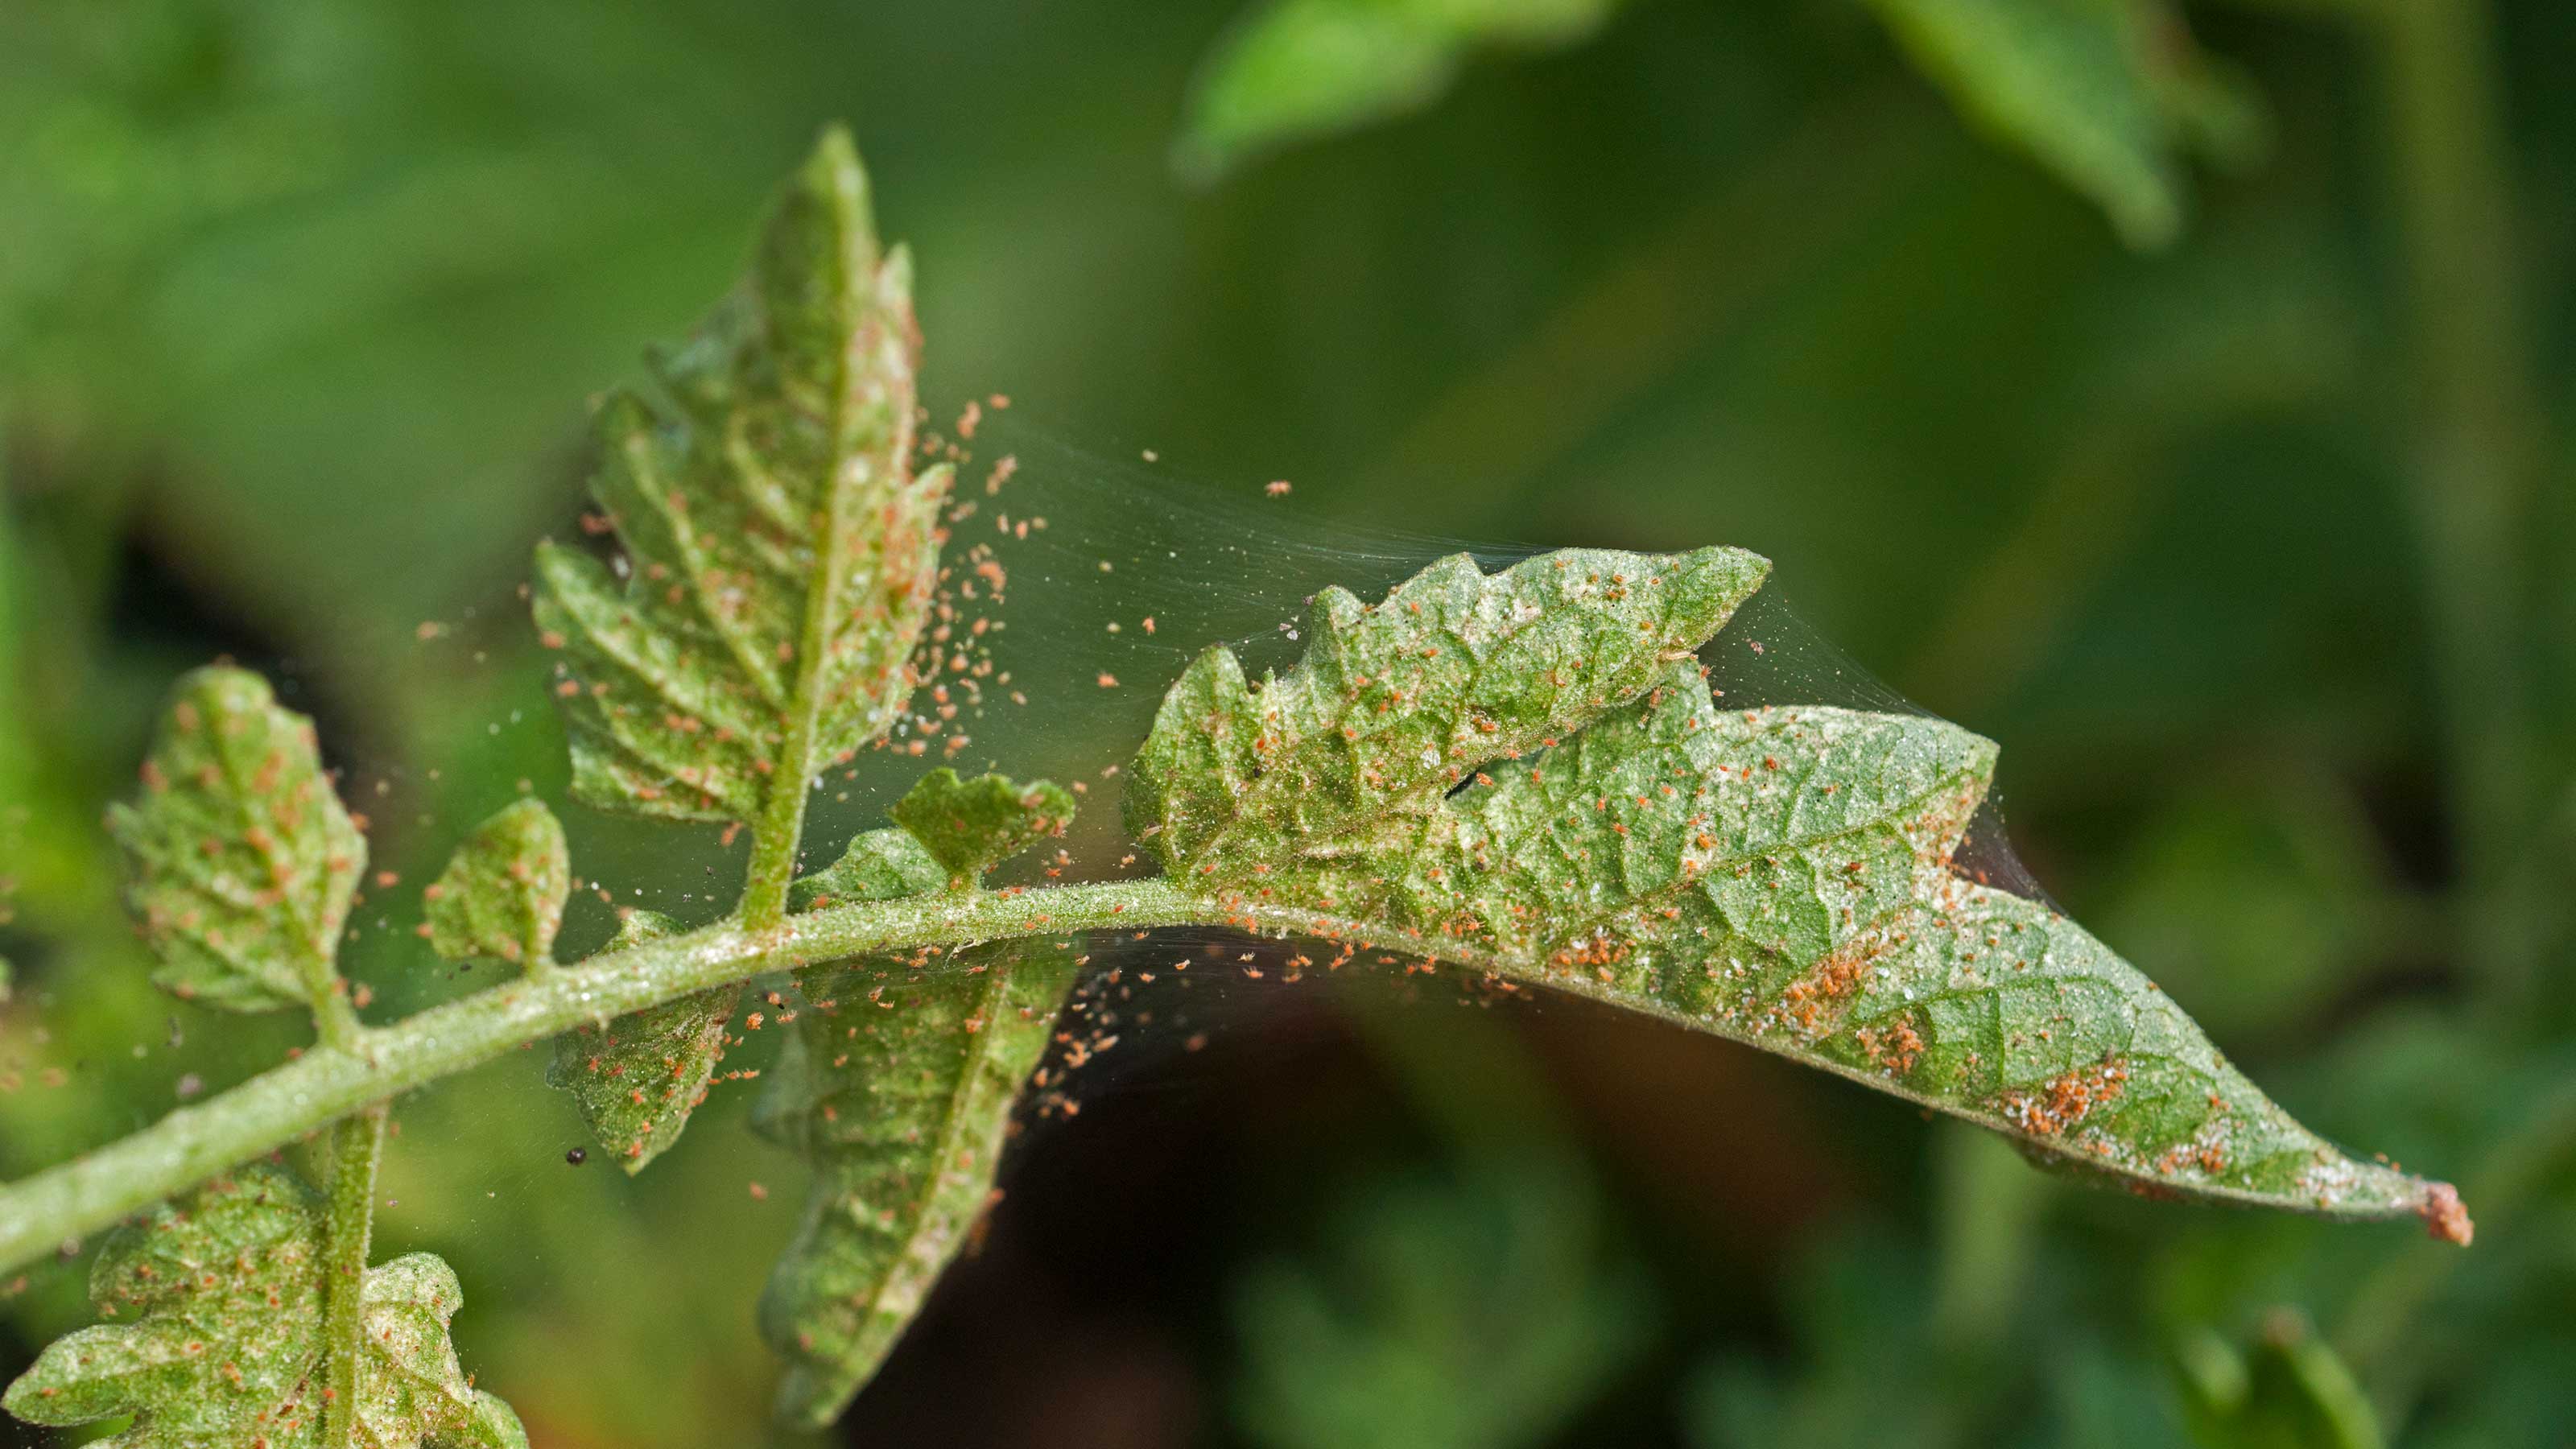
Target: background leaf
1291 70
2074 84
2286 1390
1474 1313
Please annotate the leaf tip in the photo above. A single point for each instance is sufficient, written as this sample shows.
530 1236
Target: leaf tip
2445 1217
1711 584
835 177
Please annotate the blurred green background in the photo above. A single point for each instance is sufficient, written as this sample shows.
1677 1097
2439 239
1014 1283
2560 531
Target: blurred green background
2181 400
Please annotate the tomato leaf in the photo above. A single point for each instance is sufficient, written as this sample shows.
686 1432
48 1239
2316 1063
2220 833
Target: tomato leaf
880 865
781 554
220 1298
637 1078
242 859
896 1086
1776 876
502 894
1394 704
969 826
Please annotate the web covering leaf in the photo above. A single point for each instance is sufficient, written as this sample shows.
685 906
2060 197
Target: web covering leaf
969 826
502 894
781 554
1777 876
637 1078
897 1087
242 860
222 1341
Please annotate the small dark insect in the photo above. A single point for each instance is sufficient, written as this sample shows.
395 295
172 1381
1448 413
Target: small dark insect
577 1156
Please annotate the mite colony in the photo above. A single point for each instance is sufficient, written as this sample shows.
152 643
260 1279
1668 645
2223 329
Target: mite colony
950 675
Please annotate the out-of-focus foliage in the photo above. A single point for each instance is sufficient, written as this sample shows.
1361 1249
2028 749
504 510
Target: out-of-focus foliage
2288 1389
2108 94
1295 69
1449 1312
297 305
1986 1347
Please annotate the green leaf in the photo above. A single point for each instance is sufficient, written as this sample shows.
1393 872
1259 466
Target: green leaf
242 859
221 1344
896 1086
637 1078
969 826
1293 70
502 894
411 1390
2102 92
781 555
1392 705
1776 876
880 865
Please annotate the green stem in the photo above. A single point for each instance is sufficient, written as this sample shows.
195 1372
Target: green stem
357 1145
331 1081
335 1021
773 853
2477 440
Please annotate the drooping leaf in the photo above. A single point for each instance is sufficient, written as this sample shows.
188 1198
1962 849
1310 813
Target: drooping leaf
2104 93
896 1086
1293 70
241 856
780 552
637 1078
1777 876
969 826
216 1335
502 894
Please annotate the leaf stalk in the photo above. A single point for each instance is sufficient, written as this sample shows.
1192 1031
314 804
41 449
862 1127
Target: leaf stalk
357 1146
43 1212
